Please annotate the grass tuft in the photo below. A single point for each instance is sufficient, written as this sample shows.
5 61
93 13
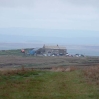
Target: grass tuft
92 74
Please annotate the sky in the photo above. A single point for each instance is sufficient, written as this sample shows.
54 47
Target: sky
74 22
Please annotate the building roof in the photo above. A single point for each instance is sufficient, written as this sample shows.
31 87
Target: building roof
54 47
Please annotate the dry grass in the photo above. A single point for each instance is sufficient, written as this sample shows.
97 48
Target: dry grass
13 71
92 74
40 62
64 69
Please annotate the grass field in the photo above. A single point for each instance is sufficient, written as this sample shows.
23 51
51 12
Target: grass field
14 58
31 77
46 85
46 62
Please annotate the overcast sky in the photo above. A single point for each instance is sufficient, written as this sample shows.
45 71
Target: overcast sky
51 18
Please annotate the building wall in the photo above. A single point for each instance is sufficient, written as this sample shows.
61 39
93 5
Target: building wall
62 51
54 51
51 51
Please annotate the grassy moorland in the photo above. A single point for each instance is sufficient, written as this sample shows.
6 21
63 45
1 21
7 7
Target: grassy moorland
16 52
46 62
64 78
30 84
16 59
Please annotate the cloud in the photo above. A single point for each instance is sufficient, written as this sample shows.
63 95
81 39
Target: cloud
16 3
51 14
94 3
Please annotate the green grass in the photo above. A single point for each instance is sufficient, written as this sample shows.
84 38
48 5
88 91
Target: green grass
11 52
46 85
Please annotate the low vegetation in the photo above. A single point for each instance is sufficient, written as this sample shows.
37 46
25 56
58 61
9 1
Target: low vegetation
30 77
92 74
31 84
46 62
11 52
